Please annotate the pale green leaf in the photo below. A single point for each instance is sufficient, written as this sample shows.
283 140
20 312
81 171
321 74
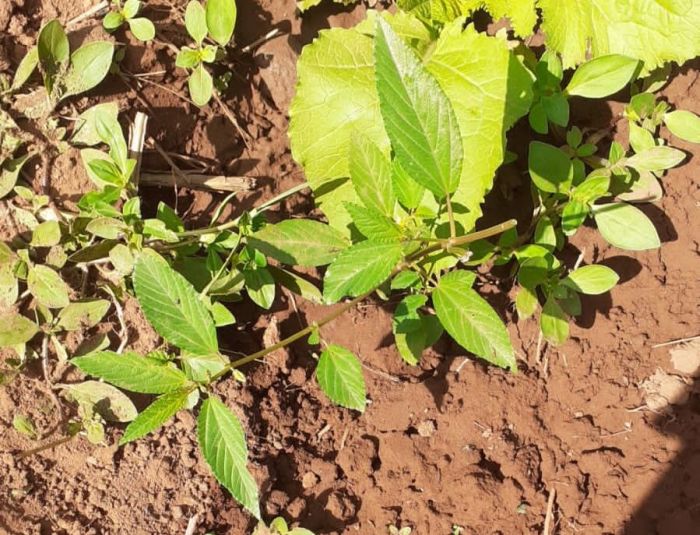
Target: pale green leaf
88 67
201 86
526 302
592 280
641 29
47 234
626 227
684 124
370 172
200 368
48 287
373 224
221 20
172 306
26 68
132 372
471 321
85 131
155 415
656 159
299 242
142 28
339 374
296 284
222 442
53 51
359 269
9 173
112 404
418 117
196 21
602 76
554 322
15 329
83 314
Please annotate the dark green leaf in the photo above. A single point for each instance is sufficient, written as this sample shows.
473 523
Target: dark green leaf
550 168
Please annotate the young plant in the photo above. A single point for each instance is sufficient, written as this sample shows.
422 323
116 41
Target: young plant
126 13
279 527
64 74
211 28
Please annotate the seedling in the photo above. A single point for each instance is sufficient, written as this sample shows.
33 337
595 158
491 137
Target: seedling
279 527
65 74
126 13
211 28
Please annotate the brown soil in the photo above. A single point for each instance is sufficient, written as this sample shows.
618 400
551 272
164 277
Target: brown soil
450 443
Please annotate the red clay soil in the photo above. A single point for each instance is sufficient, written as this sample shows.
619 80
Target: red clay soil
449 443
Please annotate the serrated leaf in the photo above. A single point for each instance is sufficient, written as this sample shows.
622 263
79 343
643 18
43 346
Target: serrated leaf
642 29
602 76
299 242
132 372
222 442
418 117
471 321
684 124
554 323
626 227
15 329
370 172
373 224
155 415
359 269
339 374
591 280
83 314
172 306
221 20
88 67
48 287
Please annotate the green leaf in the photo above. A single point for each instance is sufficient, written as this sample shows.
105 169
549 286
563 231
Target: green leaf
408 191
414 331
24 425
26 68
106 227
592 280
299 242
85 131
222 315
155 415
200 368
260 286
48 287
370 172
656 159
593 188
471 321
131 8
418 117
602 76
573 216
222 442
187 58
221 20
684 124
556 107
9 173
53 51
172 306
296 284
339 374
196 21
88 67
554 323
112 21
550 168
201 86
142 28
109 402
47 234
83 314
359 269
15 329
626 227
645 30
373 224
132 372
526 302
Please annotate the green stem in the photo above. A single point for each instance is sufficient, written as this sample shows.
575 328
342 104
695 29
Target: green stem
451 217
448 244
